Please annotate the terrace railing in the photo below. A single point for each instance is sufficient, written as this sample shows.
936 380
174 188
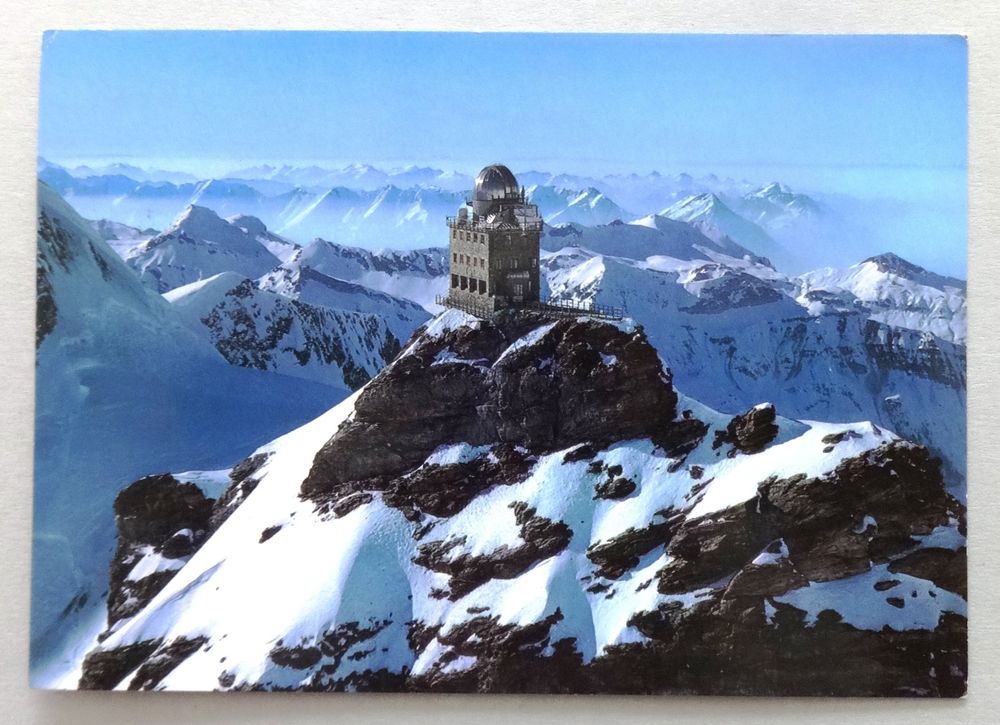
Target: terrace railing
484 226
551 307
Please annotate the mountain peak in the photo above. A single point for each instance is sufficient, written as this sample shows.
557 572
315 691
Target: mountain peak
892 263
250 224
696 206
523 362
195 220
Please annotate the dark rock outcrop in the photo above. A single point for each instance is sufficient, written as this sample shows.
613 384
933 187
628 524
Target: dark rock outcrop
944 567
819 521
163 661
722 621
477 386
542 537
510 658
619 554
751 431
614 488
242 482
104 669
55 246
156 516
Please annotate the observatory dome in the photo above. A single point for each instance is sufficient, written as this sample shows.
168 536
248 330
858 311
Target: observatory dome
494 183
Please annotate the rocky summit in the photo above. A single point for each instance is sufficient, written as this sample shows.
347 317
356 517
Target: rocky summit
517 380
529 505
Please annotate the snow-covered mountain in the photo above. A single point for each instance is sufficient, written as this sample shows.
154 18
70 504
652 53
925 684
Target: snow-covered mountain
259 329
821 227
121 237
891 290
118 169
296 280
199 245
417 274
734 333
556 518
587 206
277 245
123 388
647 237
408 217
710 215
816 352
359 205
355 176
775 206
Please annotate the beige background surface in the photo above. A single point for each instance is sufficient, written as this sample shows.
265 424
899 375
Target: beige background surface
20 41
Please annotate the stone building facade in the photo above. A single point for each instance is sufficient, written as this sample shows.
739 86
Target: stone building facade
493 245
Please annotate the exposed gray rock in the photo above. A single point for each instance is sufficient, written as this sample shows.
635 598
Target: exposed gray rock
155 516
546 395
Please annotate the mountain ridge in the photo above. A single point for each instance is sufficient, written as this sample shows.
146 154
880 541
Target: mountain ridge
670 541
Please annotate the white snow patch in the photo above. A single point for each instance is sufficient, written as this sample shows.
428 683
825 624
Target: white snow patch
943 537
736 478
152 562
527 341
861 605
211 483
457 453
868 521
766 558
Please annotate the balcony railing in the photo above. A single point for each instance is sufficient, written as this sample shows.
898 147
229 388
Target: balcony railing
550 307
480 225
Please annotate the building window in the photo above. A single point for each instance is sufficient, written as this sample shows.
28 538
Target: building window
454 257
454 281
482 286
518 289
534 261
463 282
515 262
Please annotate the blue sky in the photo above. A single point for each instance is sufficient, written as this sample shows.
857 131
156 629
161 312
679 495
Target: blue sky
865 115
590 102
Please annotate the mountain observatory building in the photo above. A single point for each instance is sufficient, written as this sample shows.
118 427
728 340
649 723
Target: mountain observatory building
493 246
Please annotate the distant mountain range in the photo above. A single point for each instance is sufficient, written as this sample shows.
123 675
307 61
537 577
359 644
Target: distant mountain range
361 205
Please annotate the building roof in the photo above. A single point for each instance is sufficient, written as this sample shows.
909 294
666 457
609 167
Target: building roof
494 183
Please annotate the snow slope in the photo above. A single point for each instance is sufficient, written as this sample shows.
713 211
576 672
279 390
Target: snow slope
124 388
709 214
649 236
258 612
298 281
258 329
891 290
197 245
734 333
586 206
417 275
121 237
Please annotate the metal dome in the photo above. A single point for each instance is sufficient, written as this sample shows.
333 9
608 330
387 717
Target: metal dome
494 183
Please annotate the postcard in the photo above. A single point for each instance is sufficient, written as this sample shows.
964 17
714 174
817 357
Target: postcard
501 363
